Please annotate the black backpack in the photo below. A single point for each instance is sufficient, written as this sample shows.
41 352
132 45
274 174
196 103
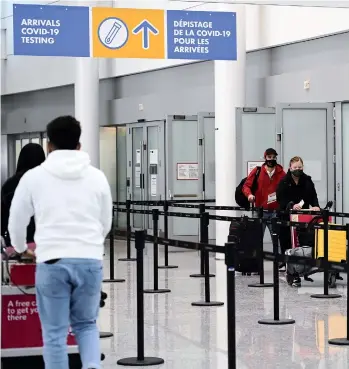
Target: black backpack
240 197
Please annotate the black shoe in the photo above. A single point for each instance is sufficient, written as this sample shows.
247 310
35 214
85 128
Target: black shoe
297 282
282 267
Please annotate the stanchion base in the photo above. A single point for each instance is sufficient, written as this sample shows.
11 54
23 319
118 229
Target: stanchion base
127 259
339 341
105 334
147 361
113 280
261 285
276 322
200 276
168 267
322 296
164 290
204 303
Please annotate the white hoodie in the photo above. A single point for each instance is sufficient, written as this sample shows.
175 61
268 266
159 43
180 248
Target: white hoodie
72 206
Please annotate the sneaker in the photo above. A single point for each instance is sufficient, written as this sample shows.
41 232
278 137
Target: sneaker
282 267
297 282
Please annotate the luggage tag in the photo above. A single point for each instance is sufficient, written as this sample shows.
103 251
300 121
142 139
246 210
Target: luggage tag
271 198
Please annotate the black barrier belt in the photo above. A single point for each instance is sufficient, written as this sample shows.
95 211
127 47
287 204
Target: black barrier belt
301 260
188 206
119 203
226 218
180 215
229 208
177 243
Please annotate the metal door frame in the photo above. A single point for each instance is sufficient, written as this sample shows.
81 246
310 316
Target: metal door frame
240 171
170 170
169 150
201 146
202 164
339 159
144 161
330 141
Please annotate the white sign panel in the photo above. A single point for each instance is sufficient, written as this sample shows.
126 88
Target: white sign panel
138 156
253 164
138 177
153 157
153 185
187 171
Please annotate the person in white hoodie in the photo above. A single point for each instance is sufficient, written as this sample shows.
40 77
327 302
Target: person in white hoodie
72 206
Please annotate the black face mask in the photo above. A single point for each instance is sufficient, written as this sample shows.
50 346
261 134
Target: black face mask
271 163
297 173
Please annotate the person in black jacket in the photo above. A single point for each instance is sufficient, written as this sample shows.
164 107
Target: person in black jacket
295 191
30 157
297 188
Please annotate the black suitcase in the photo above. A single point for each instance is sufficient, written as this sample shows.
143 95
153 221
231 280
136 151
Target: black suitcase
247 235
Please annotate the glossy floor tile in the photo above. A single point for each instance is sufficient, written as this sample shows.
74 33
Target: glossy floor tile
196 337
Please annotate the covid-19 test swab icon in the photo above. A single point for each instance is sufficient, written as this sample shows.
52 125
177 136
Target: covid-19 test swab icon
112 33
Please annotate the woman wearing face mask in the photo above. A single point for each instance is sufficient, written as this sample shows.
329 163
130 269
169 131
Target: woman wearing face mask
297 188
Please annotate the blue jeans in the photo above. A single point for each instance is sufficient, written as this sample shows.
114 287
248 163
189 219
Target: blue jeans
268 216
68 294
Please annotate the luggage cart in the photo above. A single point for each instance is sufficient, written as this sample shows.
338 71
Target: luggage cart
21 337
308 218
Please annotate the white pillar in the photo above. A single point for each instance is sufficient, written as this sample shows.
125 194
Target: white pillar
87 104
229 95
255 27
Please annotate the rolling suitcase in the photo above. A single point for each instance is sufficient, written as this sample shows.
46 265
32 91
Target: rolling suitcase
247 235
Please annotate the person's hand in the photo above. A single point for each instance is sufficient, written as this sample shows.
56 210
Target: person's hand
251 198
296 207
315 208
29 254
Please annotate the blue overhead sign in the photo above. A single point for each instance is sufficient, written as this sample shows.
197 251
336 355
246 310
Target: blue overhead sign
41 30
201 35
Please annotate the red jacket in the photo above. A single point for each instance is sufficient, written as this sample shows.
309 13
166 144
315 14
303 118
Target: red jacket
266 187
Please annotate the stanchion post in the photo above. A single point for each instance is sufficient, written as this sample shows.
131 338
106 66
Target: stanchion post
230 262
140 360
260 253
155 216
112 257
166 266
128 231
203 239
326 295
207 302
276 320
345 340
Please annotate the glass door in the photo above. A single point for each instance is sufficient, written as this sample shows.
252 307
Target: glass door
145 168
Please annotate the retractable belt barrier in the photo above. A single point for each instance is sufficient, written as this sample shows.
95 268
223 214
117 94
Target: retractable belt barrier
233 254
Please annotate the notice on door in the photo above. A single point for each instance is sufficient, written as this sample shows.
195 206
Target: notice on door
153 185
153 157
253 164
138 176
138 156
187 171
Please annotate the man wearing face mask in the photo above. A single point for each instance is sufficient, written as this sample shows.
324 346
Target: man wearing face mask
269 178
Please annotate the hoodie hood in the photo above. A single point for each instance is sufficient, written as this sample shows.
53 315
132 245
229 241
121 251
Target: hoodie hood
67 164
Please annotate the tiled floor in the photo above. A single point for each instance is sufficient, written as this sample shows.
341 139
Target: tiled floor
195 337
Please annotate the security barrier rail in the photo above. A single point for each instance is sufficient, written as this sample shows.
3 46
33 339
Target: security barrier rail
232 254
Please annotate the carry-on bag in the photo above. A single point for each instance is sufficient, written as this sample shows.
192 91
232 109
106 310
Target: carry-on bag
246 235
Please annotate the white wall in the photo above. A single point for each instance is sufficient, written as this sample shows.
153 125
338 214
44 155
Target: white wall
272 25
